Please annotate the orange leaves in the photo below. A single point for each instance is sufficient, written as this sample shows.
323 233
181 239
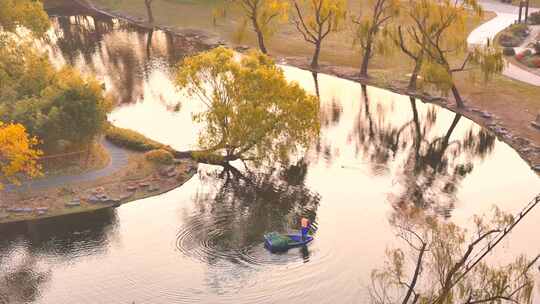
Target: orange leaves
18 155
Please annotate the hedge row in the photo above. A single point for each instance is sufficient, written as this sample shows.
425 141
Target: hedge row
131 139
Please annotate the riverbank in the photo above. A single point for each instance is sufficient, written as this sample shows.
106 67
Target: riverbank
505 106
127 178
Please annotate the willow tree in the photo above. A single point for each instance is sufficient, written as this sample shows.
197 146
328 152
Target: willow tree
250 111
264 16
441 33
403 35
447 264
316 19
18 154
371 32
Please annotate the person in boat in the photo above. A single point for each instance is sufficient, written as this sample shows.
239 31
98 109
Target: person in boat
305 227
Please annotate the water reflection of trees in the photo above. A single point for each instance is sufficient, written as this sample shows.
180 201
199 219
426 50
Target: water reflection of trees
21 283
22 246
122 53
236 208
429 161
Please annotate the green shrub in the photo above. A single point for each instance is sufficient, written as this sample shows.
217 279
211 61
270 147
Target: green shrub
534 18
520 30
131 139
509 51
508 40
160 156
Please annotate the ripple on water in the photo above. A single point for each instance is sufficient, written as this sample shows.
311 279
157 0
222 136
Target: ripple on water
222 240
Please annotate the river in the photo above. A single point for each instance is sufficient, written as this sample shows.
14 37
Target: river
202 243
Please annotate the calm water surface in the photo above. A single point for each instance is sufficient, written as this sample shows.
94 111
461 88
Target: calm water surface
201 243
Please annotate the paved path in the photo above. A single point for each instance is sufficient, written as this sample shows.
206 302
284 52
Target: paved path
119 158
506 15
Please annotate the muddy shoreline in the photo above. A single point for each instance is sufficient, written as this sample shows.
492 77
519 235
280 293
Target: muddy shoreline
526 147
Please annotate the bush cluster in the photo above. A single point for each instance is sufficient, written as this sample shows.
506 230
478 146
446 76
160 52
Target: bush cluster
509 51
160 156
514 35
534 18
131 139
520 30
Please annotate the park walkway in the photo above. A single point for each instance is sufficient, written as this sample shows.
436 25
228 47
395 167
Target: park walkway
506 15
119 159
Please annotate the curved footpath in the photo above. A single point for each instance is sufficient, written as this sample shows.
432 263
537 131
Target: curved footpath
119 159
506 15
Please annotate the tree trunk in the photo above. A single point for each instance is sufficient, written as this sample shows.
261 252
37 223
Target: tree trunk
448 134
316 80
148 4
526 11
149 42
414 75
260 36
365 60
315 60
457 96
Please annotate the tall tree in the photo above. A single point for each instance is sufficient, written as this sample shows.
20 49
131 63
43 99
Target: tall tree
403 35
264 15
446 267
371 33
251 112
18 153
441 32
316 19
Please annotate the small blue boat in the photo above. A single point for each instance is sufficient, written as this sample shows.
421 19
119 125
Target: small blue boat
276 242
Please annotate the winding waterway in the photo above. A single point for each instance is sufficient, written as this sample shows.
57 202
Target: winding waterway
201 243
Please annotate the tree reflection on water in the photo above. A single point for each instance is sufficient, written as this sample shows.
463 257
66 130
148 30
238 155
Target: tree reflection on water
234 209
432 160
23 275
122 54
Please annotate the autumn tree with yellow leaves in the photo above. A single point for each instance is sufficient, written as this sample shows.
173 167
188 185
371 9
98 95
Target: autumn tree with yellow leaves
371 32
437 31
18 154
250 111
23 13
316 19
264 16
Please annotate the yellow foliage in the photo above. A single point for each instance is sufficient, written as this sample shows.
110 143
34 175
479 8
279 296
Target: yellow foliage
438 30
18 155
328 13
251 110
26 13
264 16
160 156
